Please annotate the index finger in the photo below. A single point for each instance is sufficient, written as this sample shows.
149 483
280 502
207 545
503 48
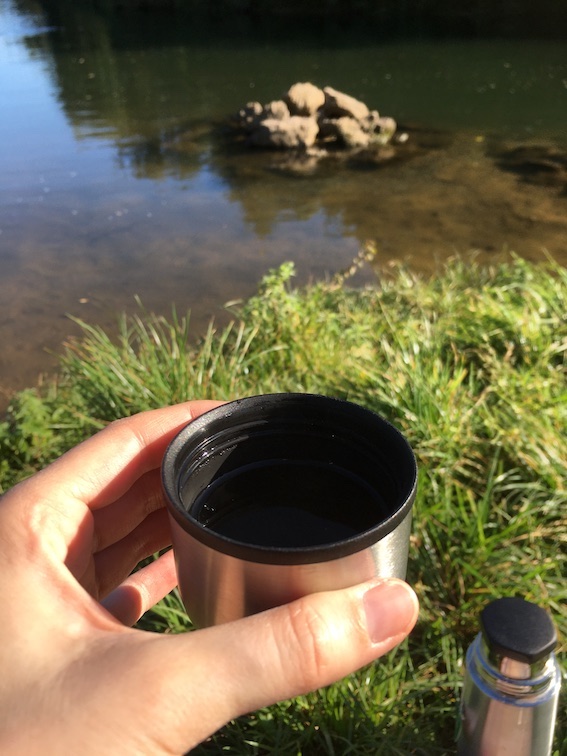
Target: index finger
103 468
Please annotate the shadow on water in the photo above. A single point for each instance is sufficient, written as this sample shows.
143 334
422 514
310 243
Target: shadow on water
118 180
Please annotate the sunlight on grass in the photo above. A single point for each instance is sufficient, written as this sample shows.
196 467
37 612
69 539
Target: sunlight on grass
469 364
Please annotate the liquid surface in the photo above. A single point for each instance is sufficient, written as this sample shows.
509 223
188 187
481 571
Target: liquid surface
284 504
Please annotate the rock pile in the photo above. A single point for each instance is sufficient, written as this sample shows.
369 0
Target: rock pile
309 118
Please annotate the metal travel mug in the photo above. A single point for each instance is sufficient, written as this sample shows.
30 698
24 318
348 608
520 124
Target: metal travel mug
512 683
277 496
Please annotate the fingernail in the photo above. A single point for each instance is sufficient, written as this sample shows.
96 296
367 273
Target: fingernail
390 609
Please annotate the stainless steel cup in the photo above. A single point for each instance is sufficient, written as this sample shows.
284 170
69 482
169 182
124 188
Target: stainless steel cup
277 496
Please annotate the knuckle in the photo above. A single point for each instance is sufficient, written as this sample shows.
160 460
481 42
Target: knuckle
310 638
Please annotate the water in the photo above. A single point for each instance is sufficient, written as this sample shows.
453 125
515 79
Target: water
114 182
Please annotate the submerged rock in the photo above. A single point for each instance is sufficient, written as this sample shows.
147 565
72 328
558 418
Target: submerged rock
540 164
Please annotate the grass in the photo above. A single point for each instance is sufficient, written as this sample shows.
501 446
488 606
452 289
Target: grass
469 364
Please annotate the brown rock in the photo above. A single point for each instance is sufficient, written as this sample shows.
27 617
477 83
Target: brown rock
351 133
372 121
249 116
328 130
276 109
296 132
304 99
338 104
385 129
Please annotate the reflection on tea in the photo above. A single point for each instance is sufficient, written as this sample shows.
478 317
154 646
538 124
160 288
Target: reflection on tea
289 504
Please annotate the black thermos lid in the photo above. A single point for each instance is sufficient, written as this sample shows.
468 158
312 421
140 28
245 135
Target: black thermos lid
518 629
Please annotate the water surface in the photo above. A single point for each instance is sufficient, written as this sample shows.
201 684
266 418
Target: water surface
115 181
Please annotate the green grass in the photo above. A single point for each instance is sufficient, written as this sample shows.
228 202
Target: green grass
469 364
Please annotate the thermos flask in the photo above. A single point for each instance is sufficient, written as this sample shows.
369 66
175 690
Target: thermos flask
512 681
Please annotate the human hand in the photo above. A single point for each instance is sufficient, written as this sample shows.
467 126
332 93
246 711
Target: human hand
77 679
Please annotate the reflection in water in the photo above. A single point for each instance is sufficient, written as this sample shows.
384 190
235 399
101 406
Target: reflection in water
117 179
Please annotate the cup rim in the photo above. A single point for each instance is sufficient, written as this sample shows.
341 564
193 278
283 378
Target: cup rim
196 430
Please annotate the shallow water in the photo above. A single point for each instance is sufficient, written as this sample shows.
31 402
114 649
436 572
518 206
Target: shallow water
115 183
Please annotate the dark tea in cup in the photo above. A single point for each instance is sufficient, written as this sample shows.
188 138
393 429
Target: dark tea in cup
275 496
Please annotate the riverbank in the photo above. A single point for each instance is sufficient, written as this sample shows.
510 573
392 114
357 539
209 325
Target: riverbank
390 17
451 197
468 363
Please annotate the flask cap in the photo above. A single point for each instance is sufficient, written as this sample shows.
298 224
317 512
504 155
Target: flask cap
517 629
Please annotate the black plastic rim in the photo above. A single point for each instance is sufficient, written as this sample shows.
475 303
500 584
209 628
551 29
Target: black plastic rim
214 431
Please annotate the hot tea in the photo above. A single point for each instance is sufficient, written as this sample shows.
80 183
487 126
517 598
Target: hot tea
289 504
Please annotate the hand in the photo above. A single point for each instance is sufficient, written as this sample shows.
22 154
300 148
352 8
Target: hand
77 679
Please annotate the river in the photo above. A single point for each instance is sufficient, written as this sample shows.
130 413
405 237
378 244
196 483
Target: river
115 182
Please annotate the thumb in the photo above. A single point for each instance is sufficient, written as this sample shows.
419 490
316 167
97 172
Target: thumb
290 650
314 641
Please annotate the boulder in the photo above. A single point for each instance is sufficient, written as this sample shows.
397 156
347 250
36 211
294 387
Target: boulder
387 125
384 130
295 132
276 109
338 104
328 130
304 99
250 116
371 122
351 133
